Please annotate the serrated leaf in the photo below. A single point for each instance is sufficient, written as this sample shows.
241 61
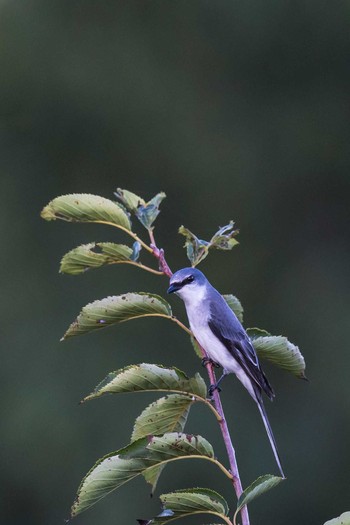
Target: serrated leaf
84 207
186 502
166 514
85 257
146 212
152 476
118 468
198 249
224 237
130 200
115 251
256 332
343 519
195 499
157 199
167 414
196 347
116 309
235 305
281 352
149 377
258 487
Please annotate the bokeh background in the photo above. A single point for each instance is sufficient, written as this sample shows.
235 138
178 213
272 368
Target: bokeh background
237 110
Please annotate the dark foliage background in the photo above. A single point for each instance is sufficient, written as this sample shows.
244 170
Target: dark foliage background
236 110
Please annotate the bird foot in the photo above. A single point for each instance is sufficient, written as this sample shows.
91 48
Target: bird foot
212 389
207 360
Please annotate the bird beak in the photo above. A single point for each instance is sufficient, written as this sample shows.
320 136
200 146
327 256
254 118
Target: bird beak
173 288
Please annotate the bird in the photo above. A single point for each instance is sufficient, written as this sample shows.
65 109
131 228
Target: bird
224 340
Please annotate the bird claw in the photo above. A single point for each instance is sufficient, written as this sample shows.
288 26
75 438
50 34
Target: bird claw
207 360
212 389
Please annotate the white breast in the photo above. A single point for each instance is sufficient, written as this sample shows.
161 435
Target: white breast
197 308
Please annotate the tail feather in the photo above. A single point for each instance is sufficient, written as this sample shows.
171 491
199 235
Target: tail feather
270 435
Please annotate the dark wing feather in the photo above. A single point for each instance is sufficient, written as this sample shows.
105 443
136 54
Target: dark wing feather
227 328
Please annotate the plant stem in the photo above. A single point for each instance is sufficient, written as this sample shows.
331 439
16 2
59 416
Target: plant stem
159 254
139 265
129 232
236 480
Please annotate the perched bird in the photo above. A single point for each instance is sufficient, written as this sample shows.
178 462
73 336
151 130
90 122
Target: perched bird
221 335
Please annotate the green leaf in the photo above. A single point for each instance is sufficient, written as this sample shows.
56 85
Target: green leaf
152 476
149 377
198 249
146 212
85 257
118 468
235 305
224 237
256 332
258 487
196 347
281 352
186 502
195 499
84 207
343 519
116 252
167 414
130 200
117 309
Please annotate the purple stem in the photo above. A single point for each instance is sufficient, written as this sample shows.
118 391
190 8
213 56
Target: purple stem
236 481
163 265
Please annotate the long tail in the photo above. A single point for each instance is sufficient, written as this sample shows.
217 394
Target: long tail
270 435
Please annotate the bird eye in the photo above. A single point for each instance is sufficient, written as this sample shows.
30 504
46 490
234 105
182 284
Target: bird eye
189 279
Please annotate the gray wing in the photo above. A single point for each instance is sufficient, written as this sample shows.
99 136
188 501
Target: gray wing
227 328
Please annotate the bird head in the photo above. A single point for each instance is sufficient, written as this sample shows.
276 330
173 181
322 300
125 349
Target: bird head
187 283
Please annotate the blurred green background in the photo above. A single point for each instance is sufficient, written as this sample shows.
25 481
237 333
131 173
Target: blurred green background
237 110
